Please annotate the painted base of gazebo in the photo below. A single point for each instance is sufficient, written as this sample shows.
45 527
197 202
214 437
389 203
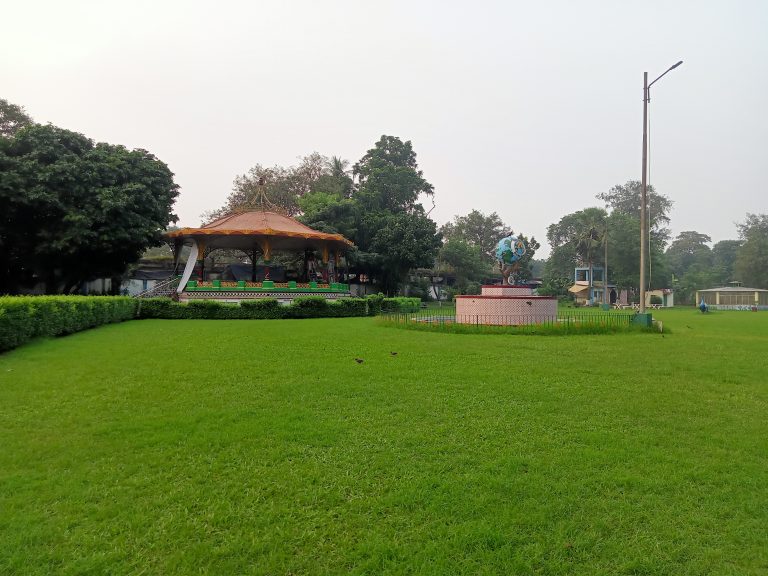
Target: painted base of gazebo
506 306
236 297
234 292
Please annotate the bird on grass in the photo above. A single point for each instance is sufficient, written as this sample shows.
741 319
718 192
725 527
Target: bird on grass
393 353
359 360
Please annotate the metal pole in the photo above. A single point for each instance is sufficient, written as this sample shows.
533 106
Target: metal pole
606 300
644 194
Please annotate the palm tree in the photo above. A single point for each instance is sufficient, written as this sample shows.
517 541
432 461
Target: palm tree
587 244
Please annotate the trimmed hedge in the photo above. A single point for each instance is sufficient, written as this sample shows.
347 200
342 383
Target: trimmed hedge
262 309
401 304
23 318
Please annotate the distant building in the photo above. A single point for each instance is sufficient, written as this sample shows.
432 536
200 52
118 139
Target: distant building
666 295
734 298
581 289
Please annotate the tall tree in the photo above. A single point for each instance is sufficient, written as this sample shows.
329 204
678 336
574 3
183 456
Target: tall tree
572 241
403 241
751 267
690 261
281 187
389 177
477 229
724 255
74 210
12 119
625 198
387 208
465 261
689 247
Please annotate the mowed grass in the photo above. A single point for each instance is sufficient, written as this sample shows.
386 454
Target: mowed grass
264 447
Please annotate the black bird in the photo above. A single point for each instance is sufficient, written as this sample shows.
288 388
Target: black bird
359 360
393 353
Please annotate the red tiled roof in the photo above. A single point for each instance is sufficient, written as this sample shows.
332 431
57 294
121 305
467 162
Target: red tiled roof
257 223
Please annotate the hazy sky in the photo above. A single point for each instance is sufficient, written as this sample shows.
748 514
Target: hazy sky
528 109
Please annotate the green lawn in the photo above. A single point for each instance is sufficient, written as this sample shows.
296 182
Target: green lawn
263 447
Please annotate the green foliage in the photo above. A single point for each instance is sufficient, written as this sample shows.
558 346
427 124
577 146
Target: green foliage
401 304
751 267
625 199
724 254
375 303
477 230
555 287
389 178
23 318
690 261
12 119
261 309
656 299
470 249
304 188
74 210
467 261
422 289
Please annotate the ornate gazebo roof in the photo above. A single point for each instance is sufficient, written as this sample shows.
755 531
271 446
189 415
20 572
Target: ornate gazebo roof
243 228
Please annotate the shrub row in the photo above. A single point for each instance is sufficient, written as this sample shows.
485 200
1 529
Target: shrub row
25 317
267 308
401 304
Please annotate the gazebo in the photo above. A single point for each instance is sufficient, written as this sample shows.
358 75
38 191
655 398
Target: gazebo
260 233
734 297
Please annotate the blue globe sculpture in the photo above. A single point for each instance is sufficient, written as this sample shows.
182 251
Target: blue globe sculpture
509 250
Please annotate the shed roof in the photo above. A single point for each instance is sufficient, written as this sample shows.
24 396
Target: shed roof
283 231
733 289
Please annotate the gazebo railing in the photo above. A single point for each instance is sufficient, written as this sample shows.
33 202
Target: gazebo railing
163 288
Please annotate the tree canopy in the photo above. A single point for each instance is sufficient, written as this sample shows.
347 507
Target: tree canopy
12 119
477 229
72 210
751 266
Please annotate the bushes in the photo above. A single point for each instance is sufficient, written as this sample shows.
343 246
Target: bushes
25 317
401 304
262 309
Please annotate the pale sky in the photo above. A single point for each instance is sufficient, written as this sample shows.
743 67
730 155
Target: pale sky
528 109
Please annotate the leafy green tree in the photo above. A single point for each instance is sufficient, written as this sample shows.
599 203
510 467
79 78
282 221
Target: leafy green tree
72 210
688 248
403 241
625 199
477 229
624 250
690 261
724 254
465 261
575 240
389 178
751 266
525 264
12 119
280 187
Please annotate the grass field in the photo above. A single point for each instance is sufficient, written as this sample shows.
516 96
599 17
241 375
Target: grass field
264 447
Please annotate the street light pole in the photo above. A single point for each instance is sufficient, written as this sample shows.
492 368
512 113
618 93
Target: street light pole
644 194
644 228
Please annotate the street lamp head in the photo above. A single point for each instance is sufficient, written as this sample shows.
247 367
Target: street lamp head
676 65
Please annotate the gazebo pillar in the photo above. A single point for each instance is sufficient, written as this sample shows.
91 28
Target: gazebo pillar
266 249
253 265
201 259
